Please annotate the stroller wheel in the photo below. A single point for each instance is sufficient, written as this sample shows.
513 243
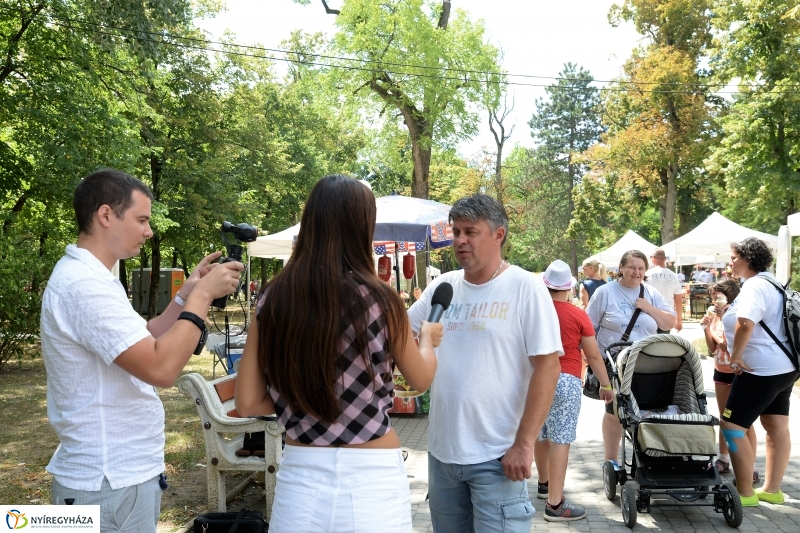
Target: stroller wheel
628 505
610 480
732 506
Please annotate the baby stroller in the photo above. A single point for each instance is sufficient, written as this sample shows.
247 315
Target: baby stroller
661 404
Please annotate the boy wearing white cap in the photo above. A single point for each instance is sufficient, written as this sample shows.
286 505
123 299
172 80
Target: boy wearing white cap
551 451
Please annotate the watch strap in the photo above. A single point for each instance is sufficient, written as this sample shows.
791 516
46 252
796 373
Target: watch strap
179 300
197 321
193 318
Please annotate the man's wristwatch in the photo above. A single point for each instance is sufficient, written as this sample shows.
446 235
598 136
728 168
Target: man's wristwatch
197 321
179 300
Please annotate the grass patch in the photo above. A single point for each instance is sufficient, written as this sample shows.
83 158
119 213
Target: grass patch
28 442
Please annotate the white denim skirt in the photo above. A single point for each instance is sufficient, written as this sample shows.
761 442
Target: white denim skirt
331 490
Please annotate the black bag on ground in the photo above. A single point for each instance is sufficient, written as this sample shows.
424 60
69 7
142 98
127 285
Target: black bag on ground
240 522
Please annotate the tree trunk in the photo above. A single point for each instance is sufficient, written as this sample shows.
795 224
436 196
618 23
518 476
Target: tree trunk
123 275
18 205
573 243
444 17
668 202
156 168
174 258
155 277
421 156
142 266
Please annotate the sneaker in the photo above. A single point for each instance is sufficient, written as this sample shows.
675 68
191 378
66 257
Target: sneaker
749 501
769 497
756 477
542 490
722 466
566 512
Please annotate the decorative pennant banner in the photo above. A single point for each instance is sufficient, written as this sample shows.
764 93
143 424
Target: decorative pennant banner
441 232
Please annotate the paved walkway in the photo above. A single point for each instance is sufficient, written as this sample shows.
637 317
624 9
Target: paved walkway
584 483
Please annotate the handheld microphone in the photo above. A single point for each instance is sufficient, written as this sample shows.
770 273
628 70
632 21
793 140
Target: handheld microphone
440 301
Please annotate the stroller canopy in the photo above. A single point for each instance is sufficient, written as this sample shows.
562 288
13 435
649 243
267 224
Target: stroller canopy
666 352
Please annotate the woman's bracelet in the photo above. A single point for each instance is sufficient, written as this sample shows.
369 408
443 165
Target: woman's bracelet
605 387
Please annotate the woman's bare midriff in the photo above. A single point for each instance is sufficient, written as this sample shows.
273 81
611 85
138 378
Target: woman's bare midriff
387 442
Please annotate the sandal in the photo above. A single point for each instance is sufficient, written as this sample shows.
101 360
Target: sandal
722 466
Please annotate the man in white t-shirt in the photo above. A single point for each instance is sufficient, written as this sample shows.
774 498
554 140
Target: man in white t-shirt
498 366
666 282
104 361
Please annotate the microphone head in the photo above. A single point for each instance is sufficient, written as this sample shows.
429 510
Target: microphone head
443 295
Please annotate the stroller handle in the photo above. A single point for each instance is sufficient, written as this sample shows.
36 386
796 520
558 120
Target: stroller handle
618 345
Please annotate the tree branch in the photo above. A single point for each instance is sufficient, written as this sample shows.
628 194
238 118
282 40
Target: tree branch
328 10
13 43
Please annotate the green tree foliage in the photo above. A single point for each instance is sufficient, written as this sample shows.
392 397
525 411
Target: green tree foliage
541 181
415 59
658 116
758 44
63 111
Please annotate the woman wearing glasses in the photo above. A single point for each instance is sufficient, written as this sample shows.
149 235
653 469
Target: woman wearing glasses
611 310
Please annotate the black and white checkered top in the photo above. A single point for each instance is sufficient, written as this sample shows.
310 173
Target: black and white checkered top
365 397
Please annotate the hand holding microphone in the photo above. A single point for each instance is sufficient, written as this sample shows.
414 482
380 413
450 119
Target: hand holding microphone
432 329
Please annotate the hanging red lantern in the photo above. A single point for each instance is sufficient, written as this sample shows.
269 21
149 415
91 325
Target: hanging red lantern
409 264
385 268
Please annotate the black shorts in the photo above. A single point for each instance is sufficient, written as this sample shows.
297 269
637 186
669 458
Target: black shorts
752 396
725 378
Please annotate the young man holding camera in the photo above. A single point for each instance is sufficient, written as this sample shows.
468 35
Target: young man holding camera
104 361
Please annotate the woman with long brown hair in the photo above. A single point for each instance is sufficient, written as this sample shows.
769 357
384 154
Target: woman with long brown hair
328 331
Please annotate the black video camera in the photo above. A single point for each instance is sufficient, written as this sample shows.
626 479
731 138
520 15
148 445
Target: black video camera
242 233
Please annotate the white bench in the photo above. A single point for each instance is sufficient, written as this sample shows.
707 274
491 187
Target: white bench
219 419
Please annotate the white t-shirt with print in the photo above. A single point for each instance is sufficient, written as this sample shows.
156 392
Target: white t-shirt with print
666 282
611 309
759 300
490 330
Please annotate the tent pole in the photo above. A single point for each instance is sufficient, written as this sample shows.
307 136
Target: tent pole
397 266
427 261
247 290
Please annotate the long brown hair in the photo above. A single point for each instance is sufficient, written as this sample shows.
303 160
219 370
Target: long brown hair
315 298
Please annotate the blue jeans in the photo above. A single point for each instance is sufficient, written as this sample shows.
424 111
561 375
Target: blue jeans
477 499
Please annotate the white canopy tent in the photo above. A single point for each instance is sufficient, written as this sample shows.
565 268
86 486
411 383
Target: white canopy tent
630 241
398 219
783 262
278 245
711 241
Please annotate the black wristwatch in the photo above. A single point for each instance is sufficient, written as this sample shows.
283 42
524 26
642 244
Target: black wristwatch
197 321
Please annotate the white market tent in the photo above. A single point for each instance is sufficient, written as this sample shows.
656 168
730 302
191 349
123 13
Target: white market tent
277 245
783 261
399 219
630 241
711 241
